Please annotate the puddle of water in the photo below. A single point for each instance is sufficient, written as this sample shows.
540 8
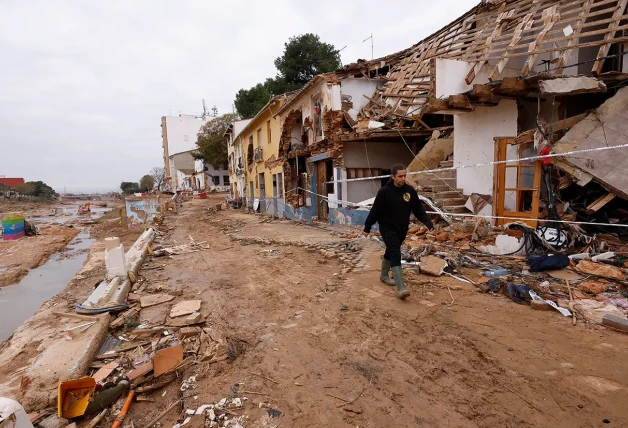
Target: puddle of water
69 213
20 301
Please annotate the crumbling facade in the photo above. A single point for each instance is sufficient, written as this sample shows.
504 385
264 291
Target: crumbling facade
503 82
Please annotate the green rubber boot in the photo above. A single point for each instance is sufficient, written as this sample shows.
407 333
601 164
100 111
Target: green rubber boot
384 277
402 293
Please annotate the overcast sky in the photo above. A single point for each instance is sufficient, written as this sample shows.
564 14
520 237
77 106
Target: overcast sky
83 84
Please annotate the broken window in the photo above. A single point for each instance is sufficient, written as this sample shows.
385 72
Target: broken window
317 118
216 180
249 152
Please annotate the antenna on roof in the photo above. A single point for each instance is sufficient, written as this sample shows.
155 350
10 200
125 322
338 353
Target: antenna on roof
204 109
214 111
372 55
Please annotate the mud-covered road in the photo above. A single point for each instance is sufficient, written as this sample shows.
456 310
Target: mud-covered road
319 338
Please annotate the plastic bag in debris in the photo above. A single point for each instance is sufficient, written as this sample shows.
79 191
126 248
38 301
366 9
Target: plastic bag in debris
548 262
518 293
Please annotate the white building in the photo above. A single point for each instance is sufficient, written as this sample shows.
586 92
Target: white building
179 136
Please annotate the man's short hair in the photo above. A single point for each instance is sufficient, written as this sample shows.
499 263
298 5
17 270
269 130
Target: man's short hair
396 168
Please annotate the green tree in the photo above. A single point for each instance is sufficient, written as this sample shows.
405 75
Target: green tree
304 57
211 145
4 189
147 183
38 189
129 187
249 101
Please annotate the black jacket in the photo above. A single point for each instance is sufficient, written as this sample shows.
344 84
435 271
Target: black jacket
392 208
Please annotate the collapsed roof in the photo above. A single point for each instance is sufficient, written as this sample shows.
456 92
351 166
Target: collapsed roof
503 38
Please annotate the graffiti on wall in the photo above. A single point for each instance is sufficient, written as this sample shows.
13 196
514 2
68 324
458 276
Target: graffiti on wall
141 212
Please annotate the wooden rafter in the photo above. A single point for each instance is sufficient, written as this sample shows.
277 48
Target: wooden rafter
496 32
494 35
525 25
564 54
550 16
612 28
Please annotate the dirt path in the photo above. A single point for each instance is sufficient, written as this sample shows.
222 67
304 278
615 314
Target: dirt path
336 348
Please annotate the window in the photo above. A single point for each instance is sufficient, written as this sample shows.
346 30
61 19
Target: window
216 180
268 133
259 137
225 180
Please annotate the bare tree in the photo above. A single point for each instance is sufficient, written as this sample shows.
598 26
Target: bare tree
158 175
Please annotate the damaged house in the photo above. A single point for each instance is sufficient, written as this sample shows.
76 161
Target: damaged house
509 77
322 144
502 83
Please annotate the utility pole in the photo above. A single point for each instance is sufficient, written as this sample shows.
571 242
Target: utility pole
372 52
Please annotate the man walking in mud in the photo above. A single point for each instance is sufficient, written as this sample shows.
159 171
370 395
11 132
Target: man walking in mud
391 210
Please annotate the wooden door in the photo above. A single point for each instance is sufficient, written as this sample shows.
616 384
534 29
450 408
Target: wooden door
321 189
518 183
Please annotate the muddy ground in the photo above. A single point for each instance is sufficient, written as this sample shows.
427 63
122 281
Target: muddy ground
58 224
325 343
35 335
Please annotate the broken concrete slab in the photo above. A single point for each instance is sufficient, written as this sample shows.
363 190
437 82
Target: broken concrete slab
606 126
155 299
600 269
432 265
185 308
571 86
540 305
167 359
194 318
615 322
186 332
592 287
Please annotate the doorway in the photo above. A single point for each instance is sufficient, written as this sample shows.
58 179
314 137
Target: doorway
262 193
518 183
324 174
275 195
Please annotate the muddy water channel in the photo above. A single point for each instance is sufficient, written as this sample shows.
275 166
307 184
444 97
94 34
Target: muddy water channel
20 301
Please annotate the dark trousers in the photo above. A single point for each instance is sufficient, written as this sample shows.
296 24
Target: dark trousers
393 240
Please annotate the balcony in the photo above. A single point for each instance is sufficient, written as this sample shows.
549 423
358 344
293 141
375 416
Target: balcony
257 155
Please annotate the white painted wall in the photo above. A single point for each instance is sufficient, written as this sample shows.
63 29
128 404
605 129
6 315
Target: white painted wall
182 132
380 155
474 143
357 88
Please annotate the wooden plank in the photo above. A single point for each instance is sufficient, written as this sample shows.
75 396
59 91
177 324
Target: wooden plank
600 202
481 91
564 55
612 28
512 84
437 105
528 136
459 101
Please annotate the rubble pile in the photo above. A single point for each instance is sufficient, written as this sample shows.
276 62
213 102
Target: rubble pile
588 281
